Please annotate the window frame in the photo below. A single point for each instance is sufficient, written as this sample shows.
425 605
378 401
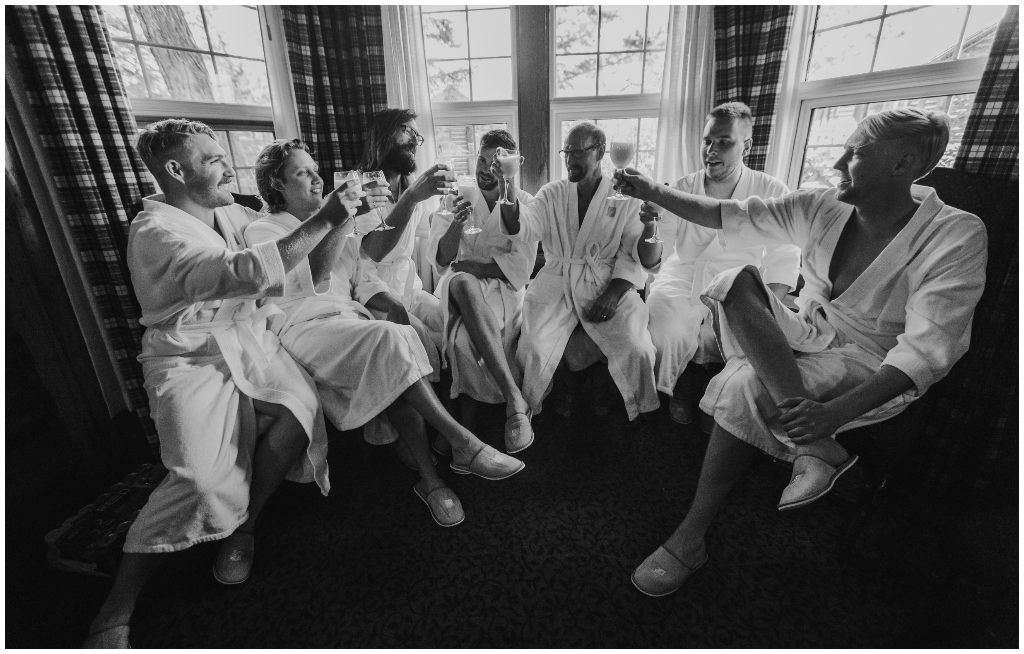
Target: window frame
475 112
598 107
800 98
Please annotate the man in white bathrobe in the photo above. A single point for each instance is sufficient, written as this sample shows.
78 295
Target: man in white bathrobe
366 370
680 323
234 413
596 257
391 146
892 279
483 279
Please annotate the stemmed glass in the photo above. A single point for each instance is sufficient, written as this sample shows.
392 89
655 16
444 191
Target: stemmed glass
508 162
445 157
339 181
468 189
622 153
657 234
369 177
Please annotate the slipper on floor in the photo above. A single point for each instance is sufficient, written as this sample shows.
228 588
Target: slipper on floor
662 573
234 559
110 638
812 483
488 463
445 507
518 433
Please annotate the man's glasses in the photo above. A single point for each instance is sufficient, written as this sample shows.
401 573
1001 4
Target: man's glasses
413 133
578 154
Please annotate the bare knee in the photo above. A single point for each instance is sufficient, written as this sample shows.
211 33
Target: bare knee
464 288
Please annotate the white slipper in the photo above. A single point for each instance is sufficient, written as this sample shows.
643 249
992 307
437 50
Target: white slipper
816 479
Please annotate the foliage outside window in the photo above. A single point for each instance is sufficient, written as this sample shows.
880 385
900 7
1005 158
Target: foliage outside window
831 126
469 52
466 139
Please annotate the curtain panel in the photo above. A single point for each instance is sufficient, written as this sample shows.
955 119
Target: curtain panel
991 142
86 126
750 53
336 54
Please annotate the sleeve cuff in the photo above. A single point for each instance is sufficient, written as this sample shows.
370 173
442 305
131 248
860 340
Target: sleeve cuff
273 267
366 291
913 366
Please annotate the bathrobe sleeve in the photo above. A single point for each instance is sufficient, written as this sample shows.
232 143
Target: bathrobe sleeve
298 280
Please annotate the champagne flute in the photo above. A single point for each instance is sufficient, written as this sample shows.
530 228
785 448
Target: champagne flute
508 162
339 181
468 189
378 177
657 234
622 153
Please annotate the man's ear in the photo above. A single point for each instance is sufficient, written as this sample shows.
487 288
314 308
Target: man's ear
748 145
175 170
907 163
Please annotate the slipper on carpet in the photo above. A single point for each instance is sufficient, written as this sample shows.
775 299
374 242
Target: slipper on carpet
234 559
518 433
812 483
662 573
445 507
110 638
488 463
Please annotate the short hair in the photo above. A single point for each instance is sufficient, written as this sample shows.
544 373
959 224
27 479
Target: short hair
268 167
929 129
379 140
498 138
590 129
166 137
732 110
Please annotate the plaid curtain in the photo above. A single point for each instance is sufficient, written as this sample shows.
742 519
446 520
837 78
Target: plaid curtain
990 146
750 51
336 54
86 126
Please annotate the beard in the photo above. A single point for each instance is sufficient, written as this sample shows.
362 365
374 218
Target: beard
208 196
486 182
400 160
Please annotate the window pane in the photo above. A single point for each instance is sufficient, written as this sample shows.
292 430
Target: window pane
449 80
576 75
492 79
444 36
830 16
234 30
622 27
576 29
242 81
654 70
648 134
928 35
224 141
432 8
131 70
981 30
246 146
245 181
490 33
179 25
657 25
179 75
466 139
620 74
845 51
831 126
644 162
117 21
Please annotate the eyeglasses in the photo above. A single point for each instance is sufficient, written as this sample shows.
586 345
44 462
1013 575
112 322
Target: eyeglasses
576 154
413 133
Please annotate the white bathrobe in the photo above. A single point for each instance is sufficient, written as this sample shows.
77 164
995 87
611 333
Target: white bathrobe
398 270
361 365
910 309
693 256
206 354
580 261
516 259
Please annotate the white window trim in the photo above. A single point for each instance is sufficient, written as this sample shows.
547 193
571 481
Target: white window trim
799 99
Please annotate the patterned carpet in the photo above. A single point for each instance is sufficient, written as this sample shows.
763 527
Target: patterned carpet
544 559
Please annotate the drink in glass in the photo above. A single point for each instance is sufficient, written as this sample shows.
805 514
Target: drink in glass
469 191
377 178
339 180
508 162
622 153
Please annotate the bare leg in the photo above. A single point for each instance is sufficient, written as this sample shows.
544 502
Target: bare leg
422 398
135 570
467 411
769 353
485 331
725 461
275 455
413 433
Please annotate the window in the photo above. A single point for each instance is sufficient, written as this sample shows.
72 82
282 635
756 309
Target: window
470 73
204 62
607 64
858 60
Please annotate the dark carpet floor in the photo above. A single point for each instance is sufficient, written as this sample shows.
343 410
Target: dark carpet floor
544 559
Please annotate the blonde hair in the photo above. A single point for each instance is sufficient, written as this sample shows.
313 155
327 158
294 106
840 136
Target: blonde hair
928 129
163 139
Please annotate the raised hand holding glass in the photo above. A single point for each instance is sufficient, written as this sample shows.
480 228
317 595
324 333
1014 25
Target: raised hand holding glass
340 180
377 178
622 153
